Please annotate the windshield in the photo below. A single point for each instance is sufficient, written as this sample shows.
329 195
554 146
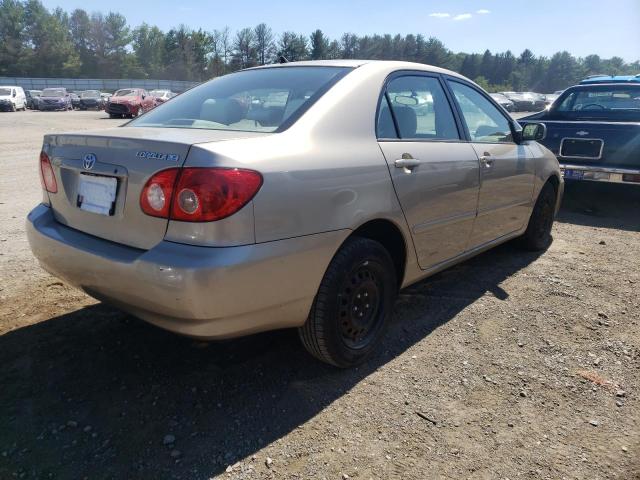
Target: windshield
90 94
261 100
5 91
158 93
53 92
607 101
126 92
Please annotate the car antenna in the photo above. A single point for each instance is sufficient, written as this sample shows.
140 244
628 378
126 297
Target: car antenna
282 59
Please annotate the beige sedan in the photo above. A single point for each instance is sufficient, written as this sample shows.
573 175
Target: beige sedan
302 195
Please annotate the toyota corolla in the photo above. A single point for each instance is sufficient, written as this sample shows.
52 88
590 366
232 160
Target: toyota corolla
301 195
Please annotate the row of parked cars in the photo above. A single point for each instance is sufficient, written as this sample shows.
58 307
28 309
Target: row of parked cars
124 102
525 101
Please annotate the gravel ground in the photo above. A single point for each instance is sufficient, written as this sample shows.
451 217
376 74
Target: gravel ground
509 366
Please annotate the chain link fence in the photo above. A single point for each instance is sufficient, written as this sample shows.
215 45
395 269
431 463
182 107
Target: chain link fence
104 85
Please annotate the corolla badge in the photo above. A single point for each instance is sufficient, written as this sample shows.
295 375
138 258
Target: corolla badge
88 161
582 133
172 157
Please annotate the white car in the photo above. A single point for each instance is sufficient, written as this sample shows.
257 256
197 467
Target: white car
12 98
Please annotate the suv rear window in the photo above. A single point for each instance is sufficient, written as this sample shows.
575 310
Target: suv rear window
260 100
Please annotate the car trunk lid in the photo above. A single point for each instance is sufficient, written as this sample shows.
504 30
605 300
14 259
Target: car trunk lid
609 144
100 176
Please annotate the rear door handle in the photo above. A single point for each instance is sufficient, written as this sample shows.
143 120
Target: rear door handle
486 160
407 163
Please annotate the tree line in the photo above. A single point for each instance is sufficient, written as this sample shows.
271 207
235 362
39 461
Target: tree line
37 42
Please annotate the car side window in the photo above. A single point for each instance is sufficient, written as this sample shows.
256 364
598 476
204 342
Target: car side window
483 119
420 109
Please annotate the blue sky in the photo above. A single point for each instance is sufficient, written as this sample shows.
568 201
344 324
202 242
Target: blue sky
582 27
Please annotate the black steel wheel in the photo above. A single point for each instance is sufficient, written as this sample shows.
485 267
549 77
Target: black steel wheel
353 306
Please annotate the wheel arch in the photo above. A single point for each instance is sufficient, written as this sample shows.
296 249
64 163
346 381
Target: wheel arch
390 236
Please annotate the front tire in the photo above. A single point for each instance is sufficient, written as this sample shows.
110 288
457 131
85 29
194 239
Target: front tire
353 306
538 234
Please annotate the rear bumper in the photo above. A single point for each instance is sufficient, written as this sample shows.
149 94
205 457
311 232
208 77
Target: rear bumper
594 173
204 292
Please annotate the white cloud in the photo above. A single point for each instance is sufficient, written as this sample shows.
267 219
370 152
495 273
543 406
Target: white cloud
439 15
483 11
463 16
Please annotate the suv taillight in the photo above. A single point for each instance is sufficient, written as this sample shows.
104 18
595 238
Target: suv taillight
199 194
47 176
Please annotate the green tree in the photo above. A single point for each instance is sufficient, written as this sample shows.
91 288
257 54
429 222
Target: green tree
12 38
293 47
264 44
319 45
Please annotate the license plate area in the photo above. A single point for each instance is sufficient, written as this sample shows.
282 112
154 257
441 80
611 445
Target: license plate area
573 174
97 194
586 148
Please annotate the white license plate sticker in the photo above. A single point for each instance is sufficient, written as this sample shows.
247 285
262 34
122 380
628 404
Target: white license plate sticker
97 194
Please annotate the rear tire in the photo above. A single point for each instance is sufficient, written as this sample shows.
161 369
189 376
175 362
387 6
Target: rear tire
353 306
538 234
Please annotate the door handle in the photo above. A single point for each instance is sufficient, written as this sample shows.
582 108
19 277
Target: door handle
486 160
407 163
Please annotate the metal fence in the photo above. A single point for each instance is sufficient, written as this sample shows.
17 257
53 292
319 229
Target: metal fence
108 85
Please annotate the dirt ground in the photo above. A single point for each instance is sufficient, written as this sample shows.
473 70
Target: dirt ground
510 366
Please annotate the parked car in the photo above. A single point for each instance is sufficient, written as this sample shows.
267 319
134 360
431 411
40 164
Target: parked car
162 96
91 99
32 98
525 101
12 98
106 96
594 130
75 99
129 102
216 216
55 99
503 101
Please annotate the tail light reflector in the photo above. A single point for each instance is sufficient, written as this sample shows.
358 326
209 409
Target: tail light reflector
47 176
199 194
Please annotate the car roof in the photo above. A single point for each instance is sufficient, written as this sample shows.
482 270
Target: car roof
373 64
611 79
584 86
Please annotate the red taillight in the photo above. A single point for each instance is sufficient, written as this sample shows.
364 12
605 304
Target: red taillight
199 194
47 176
155 199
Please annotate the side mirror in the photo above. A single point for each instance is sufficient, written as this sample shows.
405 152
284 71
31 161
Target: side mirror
14 94
534 131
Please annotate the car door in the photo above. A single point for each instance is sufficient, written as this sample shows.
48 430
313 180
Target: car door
434 171
507 169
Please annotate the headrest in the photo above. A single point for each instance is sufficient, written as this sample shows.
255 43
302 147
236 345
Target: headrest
407 121
222 110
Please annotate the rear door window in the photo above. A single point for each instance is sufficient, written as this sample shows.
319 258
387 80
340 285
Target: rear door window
418 107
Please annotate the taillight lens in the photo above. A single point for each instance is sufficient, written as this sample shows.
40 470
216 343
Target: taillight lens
155 199
47 176
199 194
208 194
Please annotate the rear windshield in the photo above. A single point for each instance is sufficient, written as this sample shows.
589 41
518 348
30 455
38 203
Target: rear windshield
611 102
261 100
53 92
127 92
90 94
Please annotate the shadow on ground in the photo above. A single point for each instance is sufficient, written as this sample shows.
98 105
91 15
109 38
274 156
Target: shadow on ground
127 384
606 205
